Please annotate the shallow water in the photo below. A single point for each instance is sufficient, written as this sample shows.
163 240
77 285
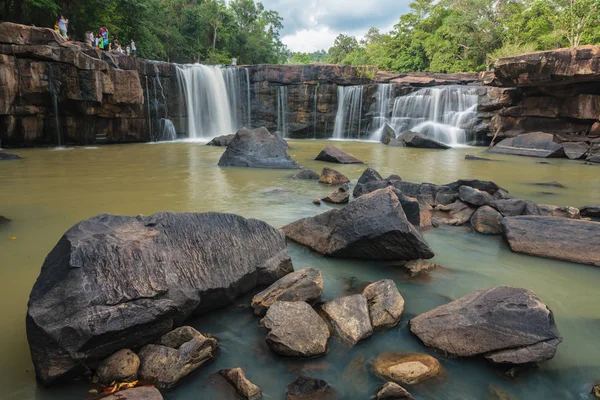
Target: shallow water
48 191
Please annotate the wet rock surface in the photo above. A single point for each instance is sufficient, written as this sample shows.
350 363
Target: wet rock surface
558 238
413 139
487 221
373 227
257 149
393 391
333 177
386 305
305 388
243 387
296 330
406 368
8 156
124 291
137 393
338 196
221 141
334 155
507 325
419 267
122 366
349 316
306 174
536 144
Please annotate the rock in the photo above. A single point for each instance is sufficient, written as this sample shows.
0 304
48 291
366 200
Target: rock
165 366
476 158
457 213
393 391
305 388
370 180
386 305
8 156
474 196
349 316
317 202
491 322
596 391
406 368
243 387
136 393
537 144
549 210
550 184
306 174
303 285
120 367
4 220
338 196
487 221
425 215
413 139
595 159
419 267
495 393
502 194
514 207
334 155
257 149
131 279
387 134
557 238
485 186
333 177
296 330
223 140
590 211
575 151
373 227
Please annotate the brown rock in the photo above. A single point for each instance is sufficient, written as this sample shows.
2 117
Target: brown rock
350 318
596 391
393 391
305 388
136 393
487 221
560 212
419 267
386 305
120 367
333 177
406 368
334 155
244 388
457 213
339 196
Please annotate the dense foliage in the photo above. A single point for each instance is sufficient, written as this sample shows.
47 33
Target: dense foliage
176 30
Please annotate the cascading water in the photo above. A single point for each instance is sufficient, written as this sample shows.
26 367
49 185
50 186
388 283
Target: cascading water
167 131
282 111
315 109
348 118
382 109
212 98
54 88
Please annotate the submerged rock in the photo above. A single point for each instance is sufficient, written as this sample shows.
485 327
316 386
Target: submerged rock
487 221
306 174
476 158
122 366
8 156
131 279
223 140
243 387
338 196
558 238
507 325
592 211
550 184
136 393
334 155
333 177
373 227
166 364
474 196
549 210
419 267
349 316
296 330
515 207
406 368
257 149
386 305
4 220
303 285
305 388
393 391
536 144
413 139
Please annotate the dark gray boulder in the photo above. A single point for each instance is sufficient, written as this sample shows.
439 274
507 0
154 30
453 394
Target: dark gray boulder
349 316
305 388
236 377
334 155
549 237
474 196
387 134
370 180
413 139
386 305
303 285
306 174
595 159
296 330
221 141
487 221
373 227
575 151
507 325
8 156
515 207
485 186
536 144
116 282
257 149
590 211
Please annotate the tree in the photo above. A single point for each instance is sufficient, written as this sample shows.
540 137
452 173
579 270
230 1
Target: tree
342 46
576 18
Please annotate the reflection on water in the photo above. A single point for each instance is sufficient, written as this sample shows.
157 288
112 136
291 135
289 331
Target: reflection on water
48 191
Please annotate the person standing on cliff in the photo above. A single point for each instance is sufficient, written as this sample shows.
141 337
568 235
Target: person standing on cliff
104 36
63 24
133 48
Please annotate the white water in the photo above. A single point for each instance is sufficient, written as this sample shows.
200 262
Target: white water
212 97
282 111
167 131
348 118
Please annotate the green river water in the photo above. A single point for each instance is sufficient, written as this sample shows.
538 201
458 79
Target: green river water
49 190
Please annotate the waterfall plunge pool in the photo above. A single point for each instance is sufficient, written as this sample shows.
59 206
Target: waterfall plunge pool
48 191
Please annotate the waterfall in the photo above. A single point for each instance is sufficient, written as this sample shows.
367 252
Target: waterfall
54 88
443 113
382 109
248 102
348 118
282 111
212 99
315 110
167 131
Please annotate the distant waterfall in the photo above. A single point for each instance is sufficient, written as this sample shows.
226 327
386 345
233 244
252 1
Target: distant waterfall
282 111
348 118
213 99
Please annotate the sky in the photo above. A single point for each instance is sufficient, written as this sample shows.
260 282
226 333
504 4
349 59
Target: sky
311 25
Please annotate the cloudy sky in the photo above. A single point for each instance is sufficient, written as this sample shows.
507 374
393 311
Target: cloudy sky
311 25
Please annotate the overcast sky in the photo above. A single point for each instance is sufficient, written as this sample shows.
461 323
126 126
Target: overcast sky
311 25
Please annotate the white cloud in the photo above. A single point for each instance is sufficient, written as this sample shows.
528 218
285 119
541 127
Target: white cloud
309 40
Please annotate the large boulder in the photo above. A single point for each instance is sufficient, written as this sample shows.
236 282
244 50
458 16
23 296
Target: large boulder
559 238
386 304
515 207
393 391
257 149
221 141
116 282
296 330
592 211
8 156
303 285
122 366
244 388
487 221
334 155
406 368
474 196
180 353
418 140
373 227
305 388
536 144
507 325
349 316
333 177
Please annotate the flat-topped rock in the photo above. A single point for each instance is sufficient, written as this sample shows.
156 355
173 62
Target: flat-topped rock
334 155
418 140
333 177
507 325
349 316
339 196
558 238
257 149
406 368
536 144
